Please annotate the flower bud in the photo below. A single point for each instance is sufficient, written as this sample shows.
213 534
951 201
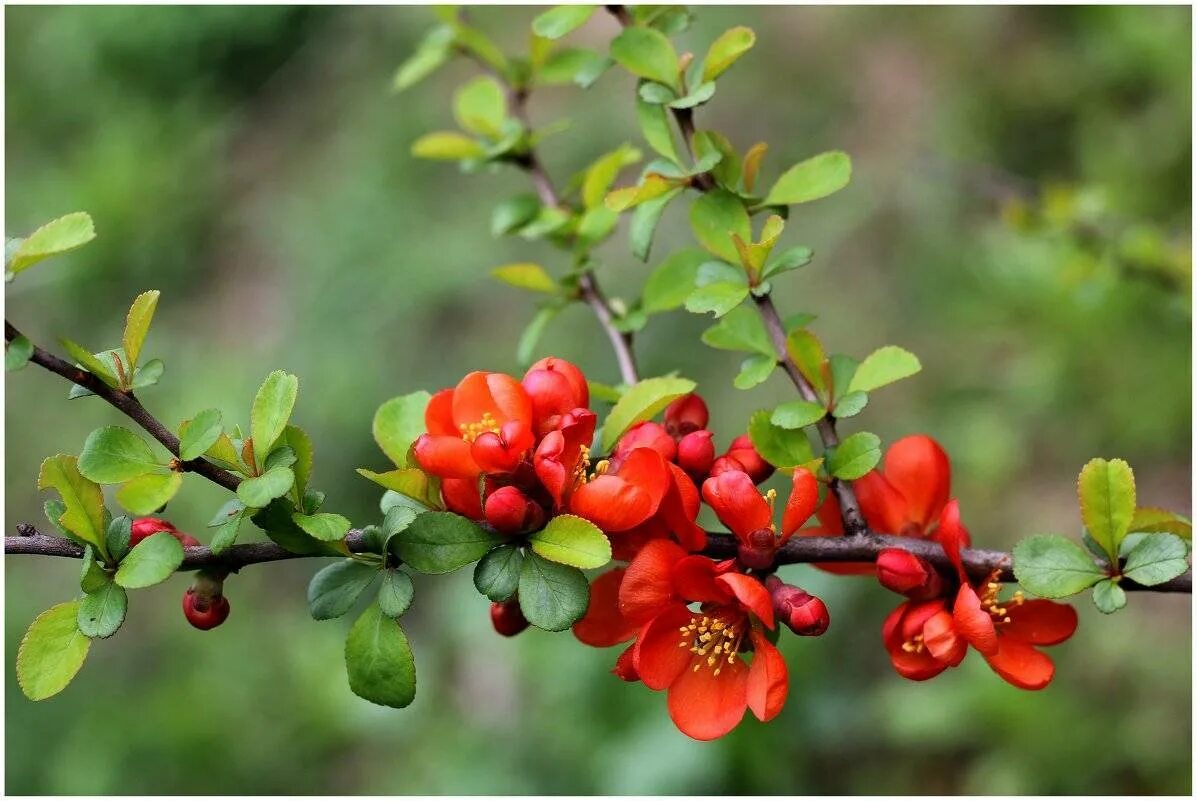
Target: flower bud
805 614
759 552
507 618
510 512
742 450
147 526
555 387
902 572
696 454
646 435
686 414
204 604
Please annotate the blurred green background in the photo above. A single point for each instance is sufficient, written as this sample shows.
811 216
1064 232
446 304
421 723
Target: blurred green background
252 164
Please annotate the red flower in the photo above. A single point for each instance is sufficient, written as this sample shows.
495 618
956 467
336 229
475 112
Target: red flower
563 456
749 515
924 638
686 414
484 424
620 499
555 387
645 435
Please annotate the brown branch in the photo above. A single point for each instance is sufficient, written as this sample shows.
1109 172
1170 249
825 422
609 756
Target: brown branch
799 550
126 402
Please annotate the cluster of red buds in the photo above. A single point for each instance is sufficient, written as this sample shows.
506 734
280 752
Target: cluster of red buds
204 603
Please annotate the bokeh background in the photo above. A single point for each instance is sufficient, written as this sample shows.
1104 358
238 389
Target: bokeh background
1019 217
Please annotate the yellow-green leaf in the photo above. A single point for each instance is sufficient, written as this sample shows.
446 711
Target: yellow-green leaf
51 652
725 50
526 275
146 494
641 402
447 146
815 178
137 325
84 516
1106 490
59 236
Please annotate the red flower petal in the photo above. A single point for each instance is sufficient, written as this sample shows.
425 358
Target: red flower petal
695 579
974 623
625 666
438 415
953 536
705 706
658 658
883 506
918 666
461 495
496 394
751 593
648 582
736 502
1040 622
918 468
804 498
617 502
1020 664
767 679
942 640
604 625
446 457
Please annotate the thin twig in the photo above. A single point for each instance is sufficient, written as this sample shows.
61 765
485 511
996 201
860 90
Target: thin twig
126 402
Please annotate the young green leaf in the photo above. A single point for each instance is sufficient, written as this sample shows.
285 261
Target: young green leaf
200 434
552 596
146 494
644 223
480 107
410 482
117 537
725 50
884 366
741 330
497 575
641 402
92 576
1108 596
89 362
807 352
379 661
51 652
17 353
300 444
797 414
398 423
720 297
526 275
1149 519
786 260
113 454
778 446
576 65
137 325
83 500
102 611
276 521
812 179
513 213
855 456
333 590
560 20
1106 490
447 146
434 50
654 125
572 540
260 490
395 593
271 411
672 281
227 523
58 236
1156 559
151 561
440 542
1051 566
646 53
714 217
324 526
754 370
851 404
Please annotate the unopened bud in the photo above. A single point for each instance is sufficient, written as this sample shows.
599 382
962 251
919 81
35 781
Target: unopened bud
742 451
696 454
646 435
902 572
144 527
204 604
507 618
805 614
510 512
686 414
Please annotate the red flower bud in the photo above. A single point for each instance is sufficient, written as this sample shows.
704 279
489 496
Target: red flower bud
741 450
507 618
510 512
555 387
686 414
696 454
646 435
805 614
147 526
902 572
204 604
760 550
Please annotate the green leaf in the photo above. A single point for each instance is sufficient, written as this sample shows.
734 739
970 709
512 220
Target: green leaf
787 260
398 423
740 330
1156 559
646 53
884 366
497 575
324 526
17 353
276 521
117 537
1106 490
434 50
148 374
720 297
261 490
601 174
572 540
513 213
481 107
151 561
797 414
137 325
440 542
101 612
714 217
654 125
812 179
644 223
843 369
447 146
807 352
754 370
641 402
697 97
1108 596
854 456
58 236
778 446
552 596
1150 519
300 444
572 65
851 404
146 494
113 454
526 275
379 660
271 411
672 281
92 577
83 499
201 433
411 482
51 652
89 362
333 590
227 522
395 593
725 50
560 20
1051 566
